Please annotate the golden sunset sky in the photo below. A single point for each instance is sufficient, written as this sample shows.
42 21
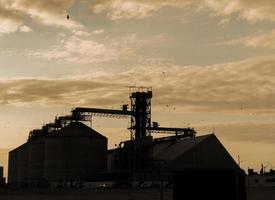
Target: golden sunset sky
211 64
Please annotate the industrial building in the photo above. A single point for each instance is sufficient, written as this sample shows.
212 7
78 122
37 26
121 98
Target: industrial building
2 179
262 179
67 151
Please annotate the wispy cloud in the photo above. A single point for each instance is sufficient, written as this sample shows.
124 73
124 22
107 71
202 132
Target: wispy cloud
9 20
98 31
81 49
81 33
133 9
25 29
251 10
246 131
231 87
266 40
50 12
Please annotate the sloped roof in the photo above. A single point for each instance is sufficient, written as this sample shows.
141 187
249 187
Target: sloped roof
170 150
79 129
203 152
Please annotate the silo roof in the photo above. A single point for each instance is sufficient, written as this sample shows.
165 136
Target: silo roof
19 147
79 129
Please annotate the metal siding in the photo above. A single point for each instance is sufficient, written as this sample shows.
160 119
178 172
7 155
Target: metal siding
13 167
1 172
69 157
36 161
23 163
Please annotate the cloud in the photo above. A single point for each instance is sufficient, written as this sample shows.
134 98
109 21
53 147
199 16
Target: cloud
131 9
81 33
251 10
266 40
82 51
45 92
98 31
244 87
25 29
76 49
50 12
248 131
9 20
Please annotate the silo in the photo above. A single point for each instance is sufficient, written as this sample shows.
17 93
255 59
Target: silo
2 179
13 167
36 161
23 163
1 171
75 153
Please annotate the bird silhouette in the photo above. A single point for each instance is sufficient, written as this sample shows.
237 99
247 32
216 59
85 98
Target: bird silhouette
68 16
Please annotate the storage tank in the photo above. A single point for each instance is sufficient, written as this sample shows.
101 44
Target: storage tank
2 179
13 167
1 171
36 161
75 153
23 165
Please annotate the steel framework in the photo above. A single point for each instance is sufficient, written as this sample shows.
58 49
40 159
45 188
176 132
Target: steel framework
140 114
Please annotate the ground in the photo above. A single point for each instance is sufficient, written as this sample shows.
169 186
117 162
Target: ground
113 194
261 194
95 194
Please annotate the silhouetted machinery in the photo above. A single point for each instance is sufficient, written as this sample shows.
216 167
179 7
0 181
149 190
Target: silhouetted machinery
140 114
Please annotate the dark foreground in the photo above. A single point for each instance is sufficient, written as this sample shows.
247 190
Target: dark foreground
261 194
113 194
94 194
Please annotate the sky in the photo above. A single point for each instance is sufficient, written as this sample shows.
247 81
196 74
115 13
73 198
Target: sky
211 64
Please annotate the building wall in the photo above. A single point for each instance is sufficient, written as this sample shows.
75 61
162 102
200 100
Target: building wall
23 165
260 180
58 157
74 158
13 167
2 180
1 172
209 184
36 161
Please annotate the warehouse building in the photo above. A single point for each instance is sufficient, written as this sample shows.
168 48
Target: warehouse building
189 164
204 165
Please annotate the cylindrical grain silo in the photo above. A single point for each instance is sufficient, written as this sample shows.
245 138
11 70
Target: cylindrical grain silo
36 161
23 165
1 172
13 167
75 153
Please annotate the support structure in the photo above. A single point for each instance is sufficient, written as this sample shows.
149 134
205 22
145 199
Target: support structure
141 109
140 114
